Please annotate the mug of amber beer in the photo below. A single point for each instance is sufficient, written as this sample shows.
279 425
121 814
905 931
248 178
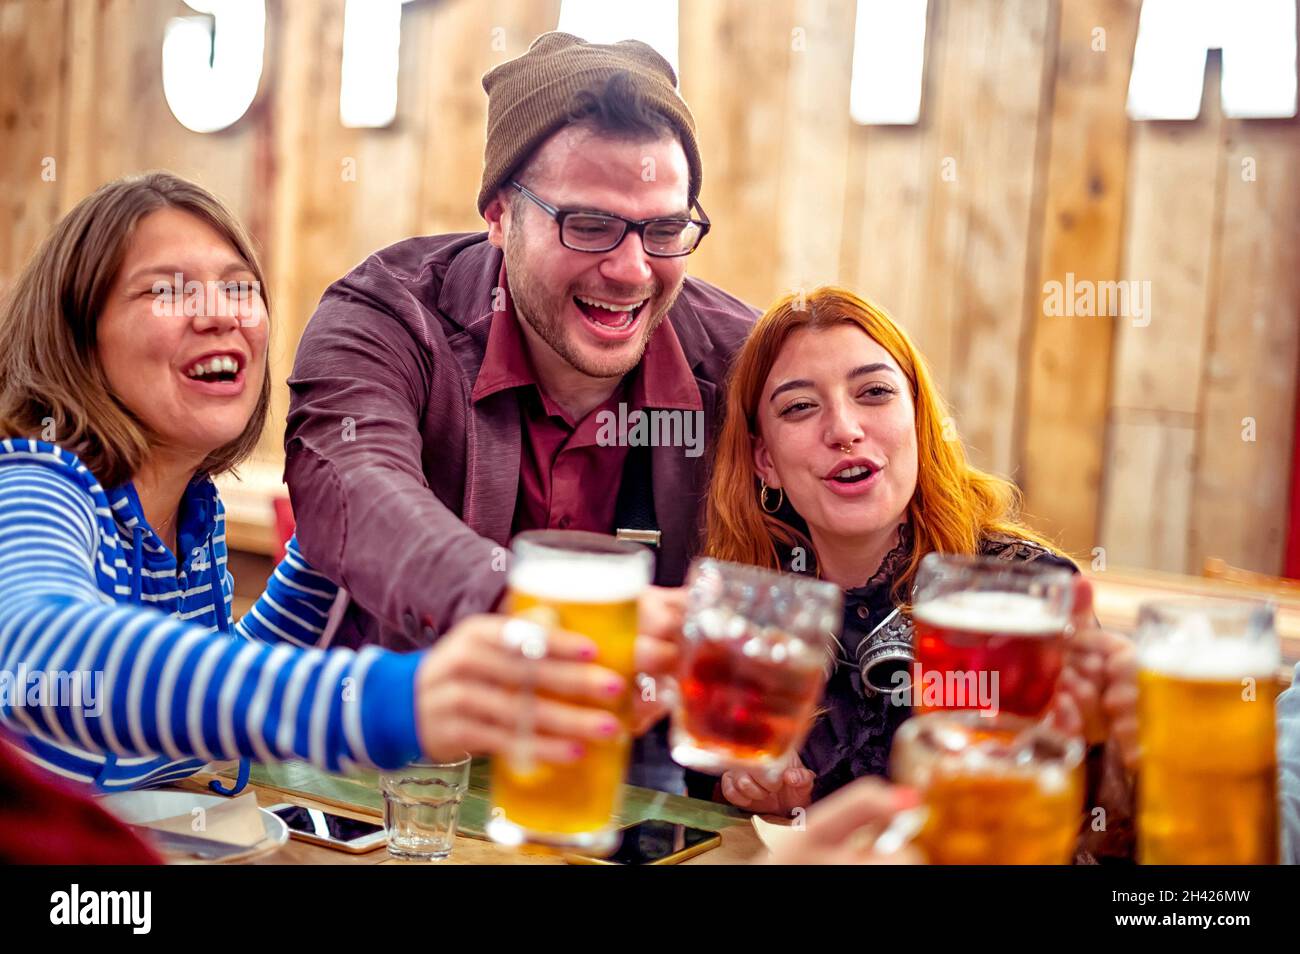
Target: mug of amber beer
758 648
990 634
1207 792
588 584
1002 790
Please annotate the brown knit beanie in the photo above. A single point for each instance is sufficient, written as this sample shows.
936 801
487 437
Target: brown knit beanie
531 96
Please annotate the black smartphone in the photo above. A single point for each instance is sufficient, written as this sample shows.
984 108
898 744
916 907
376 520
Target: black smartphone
329 830
655 842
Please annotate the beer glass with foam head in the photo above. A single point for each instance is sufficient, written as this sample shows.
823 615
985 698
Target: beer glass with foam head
1002 790
1207 789
990 634
588 584
758 647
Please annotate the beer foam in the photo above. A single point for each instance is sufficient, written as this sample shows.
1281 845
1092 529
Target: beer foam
1188 654
991 611
580 579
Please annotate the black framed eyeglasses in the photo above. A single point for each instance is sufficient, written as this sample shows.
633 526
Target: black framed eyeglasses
587 231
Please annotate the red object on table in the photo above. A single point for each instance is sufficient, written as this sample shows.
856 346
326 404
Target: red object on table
45 821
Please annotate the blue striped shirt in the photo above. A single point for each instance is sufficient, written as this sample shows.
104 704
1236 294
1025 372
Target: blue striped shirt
119 665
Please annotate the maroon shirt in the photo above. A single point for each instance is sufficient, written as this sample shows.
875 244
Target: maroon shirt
567 479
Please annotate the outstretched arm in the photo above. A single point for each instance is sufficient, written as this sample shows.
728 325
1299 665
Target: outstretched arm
354 463
169 687
295 605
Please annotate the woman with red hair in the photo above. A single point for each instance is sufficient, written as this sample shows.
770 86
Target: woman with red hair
838 457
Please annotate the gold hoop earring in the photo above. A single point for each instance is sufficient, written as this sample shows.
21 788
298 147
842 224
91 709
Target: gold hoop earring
762 498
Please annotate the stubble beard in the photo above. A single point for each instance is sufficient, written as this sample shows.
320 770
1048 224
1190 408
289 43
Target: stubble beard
547 318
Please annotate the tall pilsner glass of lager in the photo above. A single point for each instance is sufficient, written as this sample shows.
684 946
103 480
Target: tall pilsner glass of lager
588 584
1207 789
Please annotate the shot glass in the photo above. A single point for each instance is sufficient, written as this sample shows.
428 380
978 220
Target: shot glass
422 808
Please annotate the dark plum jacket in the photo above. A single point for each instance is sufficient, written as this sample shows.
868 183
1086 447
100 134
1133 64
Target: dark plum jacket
403 488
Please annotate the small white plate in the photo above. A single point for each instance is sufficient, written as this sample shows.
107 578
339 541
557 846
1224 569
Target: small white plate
773 836
148 806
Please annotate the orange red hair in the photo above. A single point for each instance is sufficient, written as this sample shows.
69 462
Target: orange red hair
955 505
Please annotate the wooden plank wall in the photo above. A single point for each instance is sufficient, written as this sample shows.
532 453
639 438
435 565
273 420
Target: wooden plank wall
1081 231
1161 442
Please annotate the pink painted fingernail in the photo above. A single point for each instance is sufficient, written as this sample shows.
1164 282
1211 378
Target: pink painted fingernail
614 687
904 797
577 750
609 727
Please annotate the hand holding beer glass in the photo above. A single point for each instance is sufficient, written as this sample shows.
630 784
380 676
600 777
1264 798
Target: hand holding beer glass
990 634
587 584
1207 762
756 658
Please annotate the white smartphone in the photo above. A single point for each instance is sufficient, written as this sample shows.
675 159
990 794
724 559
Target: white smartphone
323 828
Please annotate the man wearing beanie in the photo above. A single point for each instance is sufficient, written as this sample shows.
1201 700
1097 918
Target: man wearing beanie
454 390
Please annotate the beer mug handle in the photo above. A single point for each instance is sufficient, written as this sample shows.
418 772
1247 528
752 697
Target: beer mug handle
527 633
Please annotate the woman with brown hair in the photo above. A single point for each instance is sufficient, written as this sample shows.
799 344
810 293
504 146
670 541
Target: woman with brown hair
836 457
134 369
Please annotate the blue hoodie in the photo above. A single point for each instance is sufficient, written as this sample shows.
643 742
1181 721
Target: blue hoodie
120 666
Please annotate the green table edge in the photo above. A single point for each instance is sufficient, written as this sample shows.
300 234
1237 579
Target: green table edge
360 790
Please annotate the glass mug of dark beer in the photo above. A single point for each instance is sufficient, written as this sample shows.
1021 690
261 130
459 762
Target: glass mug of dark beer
758 648
990 634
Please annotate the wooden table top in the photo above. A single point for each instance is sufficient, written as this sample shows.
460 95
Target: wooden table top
300 784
